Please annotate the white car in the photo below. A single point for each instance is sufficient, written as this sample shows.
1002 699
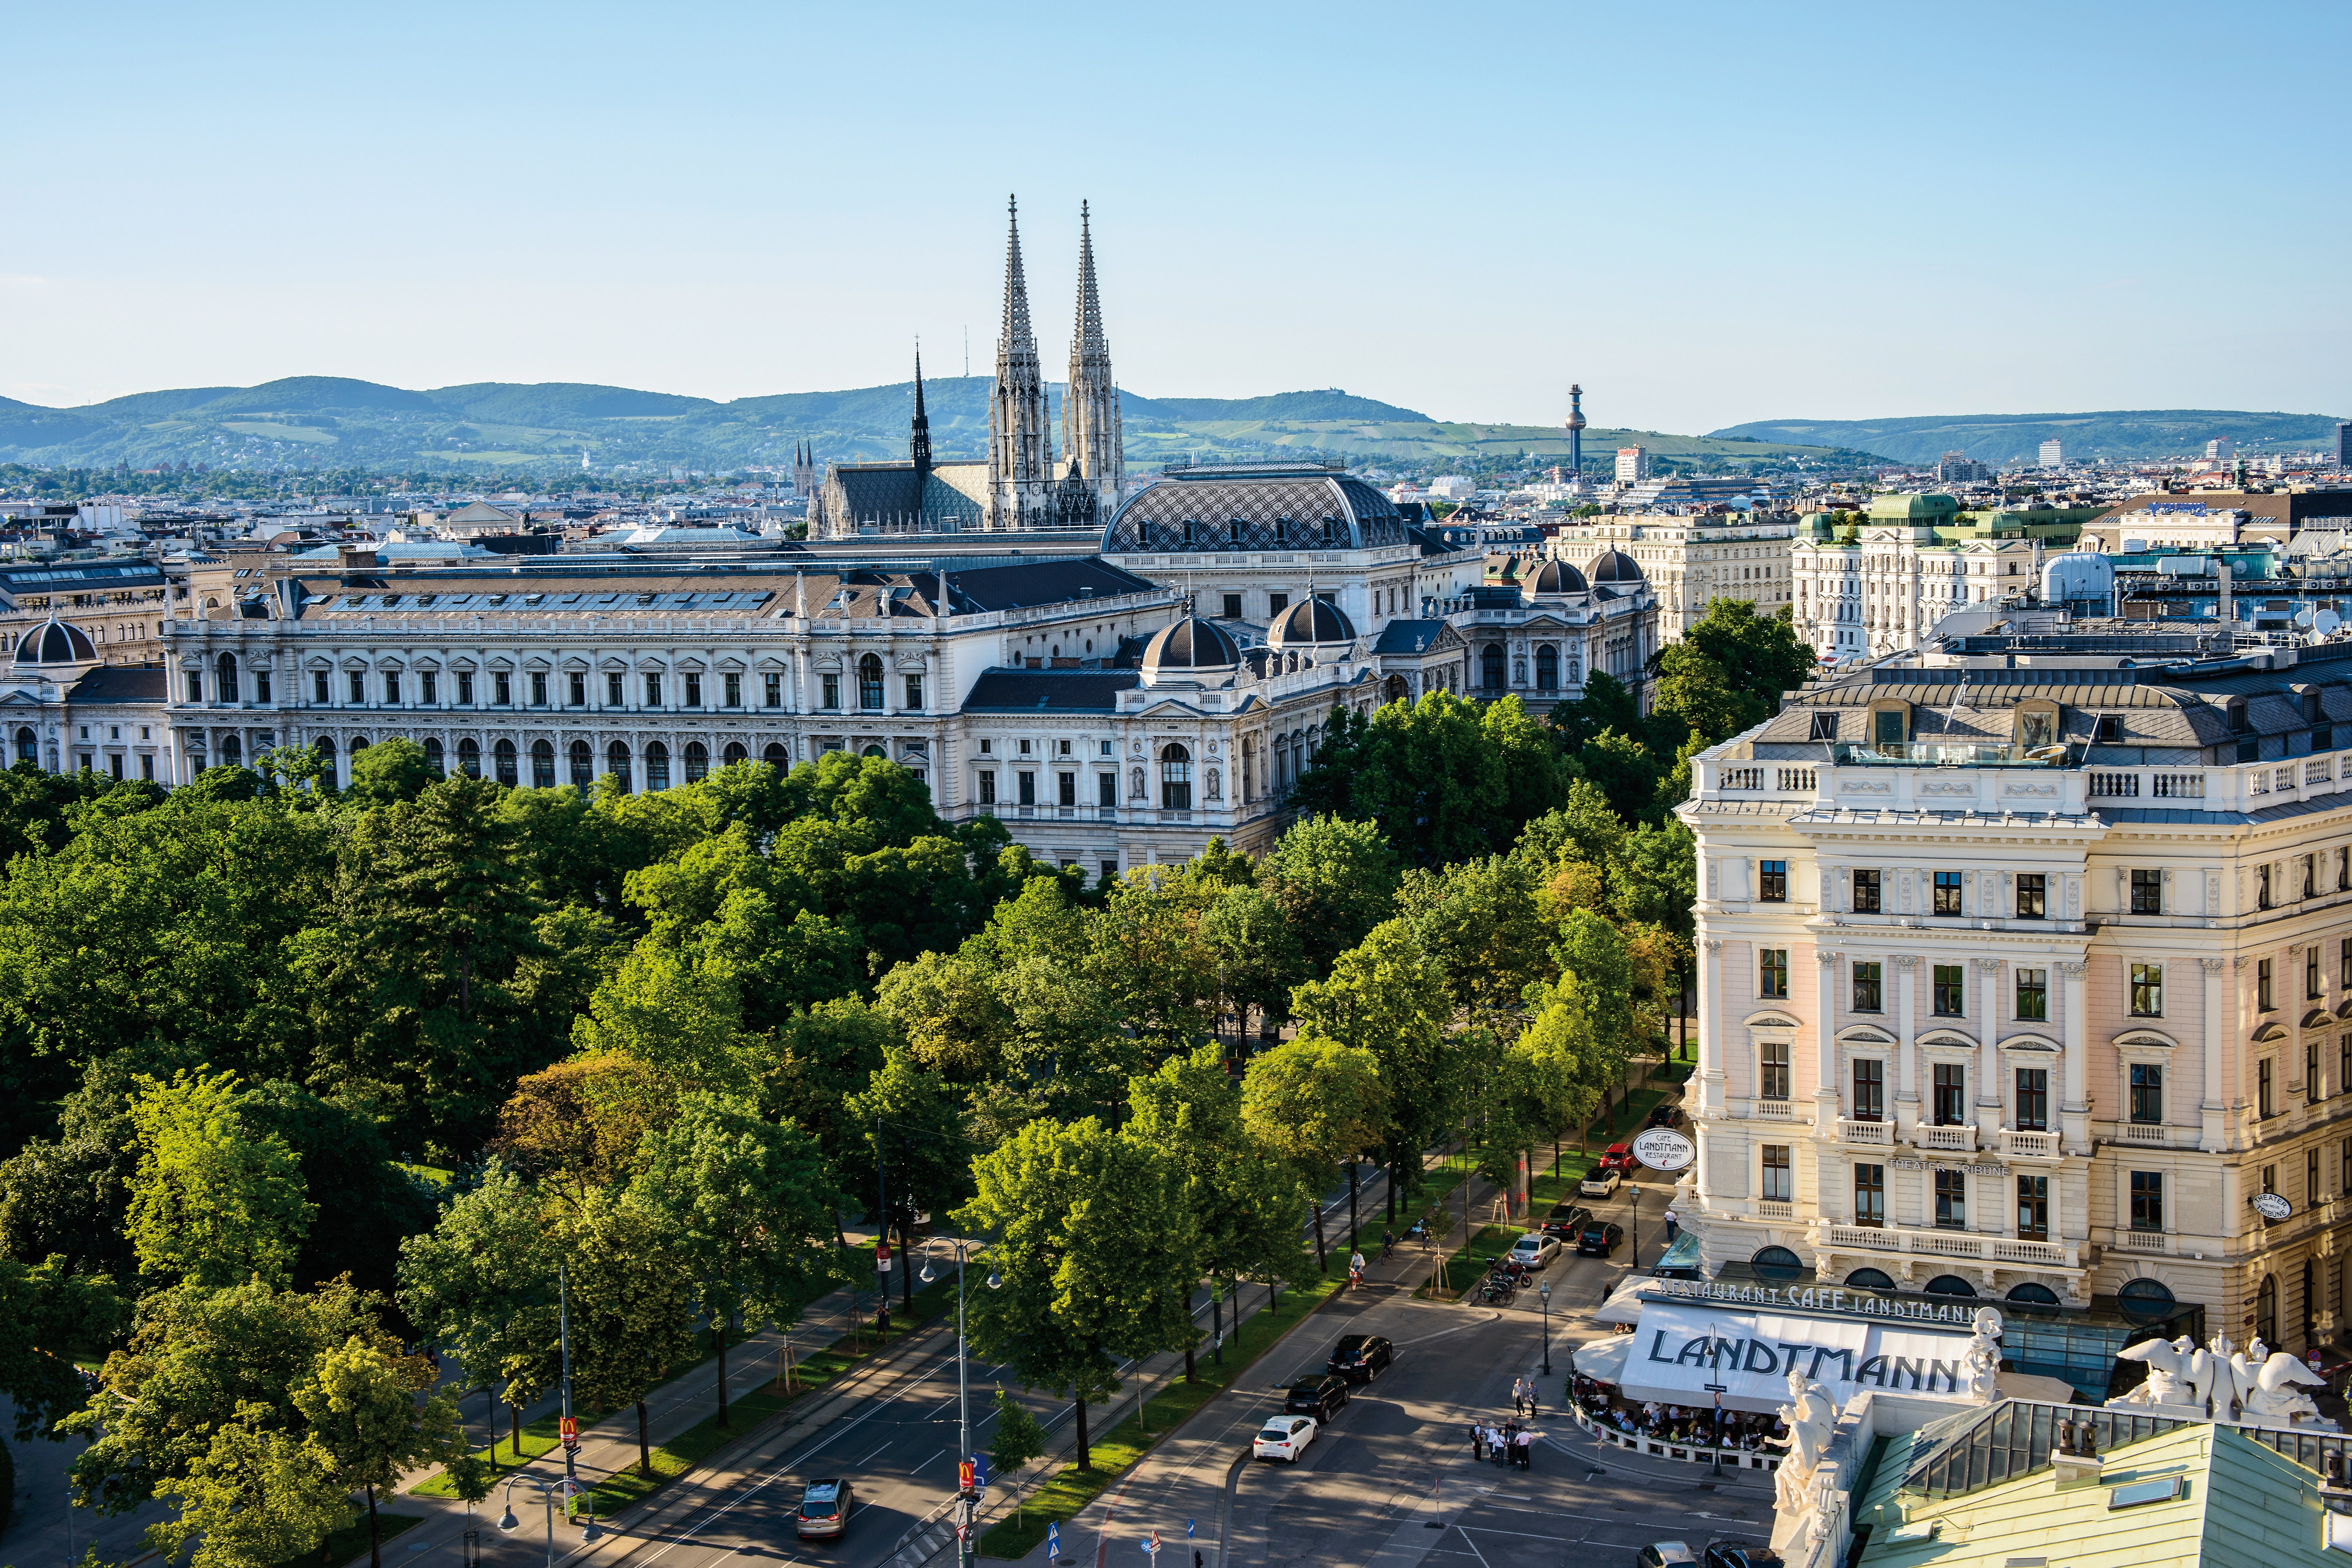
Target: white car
1599 1184
1535 1249
1283 1437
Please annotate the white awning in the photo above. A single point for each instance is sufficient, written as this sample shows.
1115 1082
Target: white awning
1678 1351
1604 1359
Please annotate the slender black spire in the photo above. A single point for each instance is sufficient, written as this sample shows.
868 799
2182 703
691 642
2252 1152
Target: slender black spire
918 438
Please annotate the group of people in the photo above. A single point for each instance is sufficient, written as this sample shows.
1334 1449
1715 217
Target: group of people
1705 1429
1509 1444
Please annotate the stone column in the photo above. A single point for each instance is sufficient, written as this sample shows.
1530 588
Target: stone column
1989 1053
1906 1063
1825 1082
2073 1107
1710 1028
2219 1022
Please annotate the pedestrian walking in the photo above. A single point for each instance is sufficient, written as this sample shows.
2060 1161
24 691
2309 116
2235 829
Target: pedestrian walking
1527 1451
1478 1441
1519 1397
1674 1225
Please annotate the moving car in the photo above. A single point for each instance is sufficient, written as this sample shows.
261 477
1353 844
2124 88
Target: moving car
1566 1220
1667 1115
1283 1437
1732 1554
1599 1184
1359 1358
1318 1394
1535 1249
1599 1238
825 1509
1666 1554
1619 1157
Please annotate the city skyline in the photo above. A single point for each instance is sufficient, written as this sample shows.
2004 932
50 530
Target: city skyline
723 211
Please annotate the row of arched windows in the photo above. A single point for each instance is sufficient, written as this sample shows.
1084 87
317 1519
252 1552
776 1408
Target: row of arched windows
579 758
1548 667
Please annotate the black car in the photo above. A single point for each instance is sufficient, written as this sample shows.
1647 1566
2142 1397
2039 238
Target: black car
1566 1220
1359 1358
1599 1238
1318 1393
825 1509
1730 1554
1667 1115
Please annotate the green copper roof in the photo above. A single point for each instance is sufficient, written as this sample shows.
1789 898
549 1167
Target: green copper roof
1905 508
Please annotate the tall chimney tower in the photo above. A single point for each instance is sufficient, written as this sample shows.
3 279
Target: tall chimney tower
1576 431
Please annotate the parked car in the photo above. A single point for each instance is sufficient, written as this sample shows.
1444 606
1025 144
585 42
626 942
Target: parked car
1732 1554
826 1507
1565 1220
1599 1238
1619 1157
1283 1437
1598 1184
1666 1554
1535 1249
1667 1115
1318 1393
1359 1358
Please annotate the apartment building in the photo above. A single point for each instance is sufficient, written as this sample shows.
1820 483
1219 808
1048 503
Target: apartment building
1692 560
2035 984
1879 585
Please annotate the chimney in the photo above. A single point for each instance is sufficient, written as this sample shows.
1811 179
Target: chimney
357 557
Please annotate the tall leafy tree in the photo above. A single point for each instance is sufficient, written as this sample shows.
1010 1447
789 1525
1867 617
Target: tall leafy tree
481 1286
1315 1101
917 1158
45 1315
361 1401
213 1203
254 1497
632 1303
1086 1223
748 1206
1389 998
1334 879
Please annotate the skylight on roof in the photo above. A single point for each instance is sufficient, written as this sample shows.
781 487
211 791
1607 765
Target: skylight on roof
2162 1490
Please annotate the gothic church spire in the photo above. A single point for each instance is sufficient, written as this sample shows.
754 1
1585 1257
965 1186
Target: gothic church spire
1020 440
919 436
1091 432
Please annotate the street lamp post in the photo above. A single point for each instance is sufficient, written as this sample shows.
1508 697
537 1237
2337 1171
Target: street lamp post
563 1345
966 1499
1634 1233
508 1524
1544 1290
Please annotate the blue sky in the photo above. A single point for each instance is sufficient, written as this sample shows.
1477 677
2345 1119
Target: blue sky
1705 213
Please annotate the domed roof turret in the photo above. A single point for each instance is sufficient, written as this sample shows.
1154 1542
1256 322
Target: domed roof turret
55 642
1310 623
1556 577
1194 647
1613 566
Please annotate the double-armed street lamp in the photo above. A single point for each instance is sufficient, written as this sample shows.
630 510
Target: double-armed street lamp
961 1247
508 1524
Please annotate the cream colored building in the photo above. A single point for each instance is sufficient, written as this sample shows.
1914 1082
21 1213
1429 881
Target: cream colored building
1886 590
1693 561
2024 982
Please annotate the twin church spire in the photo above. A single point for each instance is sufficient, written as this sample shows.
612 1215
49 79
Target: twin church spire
1024 490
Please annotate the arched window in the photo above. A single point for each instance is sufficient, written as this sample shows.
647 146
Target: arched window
503 754
470 757
1776 1265
2033 1295
584 764
869 682
733 753
226 674
1175 779
2266 1311
1950 1285
1871 1279
324 750
874 751
432 755
2145 1298
543 765
616 763
28 745
1493 660
698 762
776 757
2310 1307
232 751
657 765
1547 667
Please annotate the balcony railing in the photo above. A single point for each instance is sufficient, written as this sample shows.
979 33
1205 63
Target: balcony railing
2143 1241
1946 755
2154 1133
1958 1244
2028 1146
1777 1109
1857 1131
1957 1138
1765 1209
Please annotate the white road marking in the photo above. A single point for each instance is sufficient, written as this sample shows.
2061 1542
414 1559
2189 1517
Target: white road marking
1473 1548
869 1458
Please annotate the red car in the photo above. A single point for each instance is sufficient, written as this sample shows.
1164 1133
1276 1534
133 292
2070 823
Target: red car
1619 1157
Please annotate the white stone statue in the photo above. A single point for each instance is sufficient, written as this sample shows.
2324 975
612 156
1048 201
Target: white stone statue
2276 1396
1812 1418
2171 1372
1982 1362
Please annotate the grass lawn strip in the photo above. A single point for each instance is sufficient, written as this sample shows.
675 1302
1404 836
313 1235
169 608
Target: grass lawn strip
1059 1499
352 1540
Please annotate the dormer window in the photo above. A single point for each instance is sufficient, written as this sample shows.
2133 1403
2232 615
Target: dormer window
2110 730
2311 713
2239 724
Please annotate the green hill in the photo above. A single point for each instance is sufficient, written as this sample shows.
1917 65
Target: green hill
2122 436
336 422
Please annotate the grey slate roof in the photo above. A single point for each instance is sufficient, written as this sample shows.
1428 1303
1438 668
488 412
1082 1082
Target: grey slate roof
1238 512
128 683
1409 636
1042 583
1049 690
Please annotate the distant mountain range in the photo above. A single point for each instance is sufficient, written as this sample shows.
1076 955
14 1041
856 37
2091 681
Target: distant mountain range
2126 436
331 422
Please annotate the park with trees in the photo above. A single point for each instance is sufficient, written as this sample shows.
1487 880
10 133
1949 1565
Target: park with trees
303 1085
